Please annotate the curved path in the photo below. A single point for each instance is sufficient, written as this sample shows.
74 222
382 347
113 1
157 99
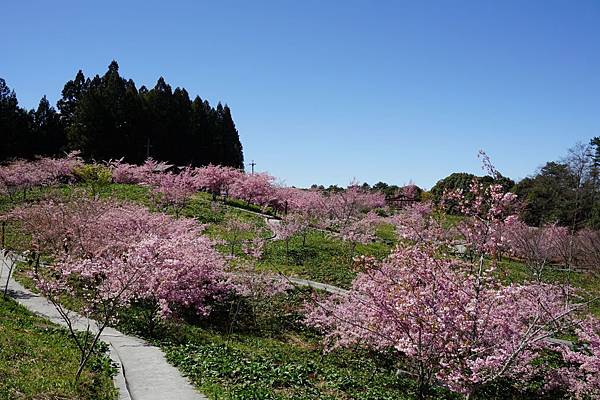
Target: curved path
316 285
144 373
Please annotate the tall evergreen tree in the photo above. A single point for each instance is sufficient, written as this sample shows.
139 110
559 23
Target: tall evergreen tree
71 94
234 156
48 130
15 126
159 108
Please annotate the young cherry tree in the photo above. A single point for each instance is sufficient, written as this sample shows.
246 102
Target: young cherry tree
486 214
10 260
174 190
103 285
360 231
588 249
254 188
537 247
418 223
217 179
236 232
108 254
346 206
252 289
289 226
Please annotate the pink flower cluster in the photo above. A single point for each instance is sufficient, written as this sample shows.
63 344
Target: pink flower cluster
581 376
217 179
487 210
417 223
361 230
23 175
460 329
174 190
130 173
120 252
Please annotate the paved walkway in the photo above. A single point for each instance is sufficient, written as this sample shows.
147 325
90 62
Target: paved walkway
144 373
273 224
316 285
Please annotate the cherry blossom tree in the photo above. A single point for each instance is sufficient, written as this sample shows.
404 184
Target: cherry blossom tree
310 205
418 223
109 254
537 247
236 232
289 226
217 179
360 231
448 325
581 375
411 192
174 190
254 188
85 227
22 175
486 212
588 249
183 272
254 247
103 286
348 205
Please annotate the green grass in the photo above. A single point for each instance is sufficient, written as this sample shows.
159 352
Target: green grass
250 207
38 360
323 258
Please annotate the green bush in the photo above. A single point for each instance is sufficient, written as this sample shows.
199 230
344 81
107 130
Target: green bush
95 176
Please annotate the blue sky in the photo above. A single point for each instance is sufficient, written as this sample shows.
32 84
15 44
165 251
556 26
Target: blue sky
324 91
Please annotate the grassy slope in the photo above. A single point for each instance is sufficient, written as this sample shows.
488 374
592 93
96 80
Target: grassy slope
276 357
323 258
38 360
267 353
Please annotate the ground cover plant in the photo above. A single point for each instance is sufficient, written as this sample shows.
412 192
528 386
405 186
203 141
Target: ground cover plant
268 353
38 359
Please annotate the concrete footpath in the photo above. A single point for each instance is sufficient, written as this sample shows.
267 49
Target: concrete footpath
144 373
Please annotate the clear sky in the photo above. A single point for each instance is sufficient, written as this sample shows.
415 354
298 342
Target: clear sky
324 91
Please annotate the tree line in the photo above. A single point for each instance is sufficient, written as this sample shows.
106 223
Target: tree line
566 191
109 117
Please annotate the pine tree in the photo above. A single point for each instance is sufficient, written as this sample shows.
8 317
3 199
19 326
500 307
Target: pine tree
48 131
233 152
15 126
71 94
